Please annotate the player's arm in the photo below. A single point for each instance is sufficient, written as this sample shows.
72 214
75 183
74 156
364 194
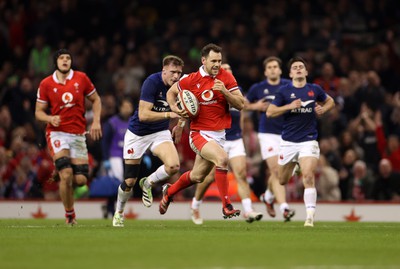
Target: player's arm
95 129
177 130
234 98
241 120
260 105
275 111
172 95
324 107
41 115
146 114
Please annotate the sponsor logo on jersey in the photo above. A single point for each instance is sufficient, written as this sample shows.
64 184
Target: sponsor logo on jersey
306 103
304 108
67 98
207 95
160 106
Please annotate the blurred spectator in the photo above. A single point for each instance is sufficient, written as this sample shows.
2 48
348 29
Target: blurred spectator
133 73
327 181
40 57
347 102
328 80
347 142
330 153
395 114
387 184
113 139
23 183
332 123
372 93
388 148
346 173
363 126
4 159
362 183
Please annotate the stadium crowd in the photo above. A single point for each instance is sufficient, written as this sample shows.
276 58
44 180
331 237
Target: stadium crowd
351 48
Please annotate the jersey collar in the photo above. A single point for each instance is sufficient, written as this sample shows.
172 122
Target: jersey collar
203 73
70 75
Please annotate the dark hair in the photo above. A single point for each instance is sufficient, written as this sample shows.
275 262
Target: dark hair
58 53
175 60
296 59
205 51
271 59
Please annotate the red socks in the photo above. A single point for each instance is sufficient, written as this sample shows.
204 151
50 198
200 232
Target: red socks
182 183
70 213
222 184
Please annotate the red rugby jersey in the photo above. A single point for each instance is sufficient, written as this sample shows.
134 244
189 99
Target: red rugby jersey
214 109
66 100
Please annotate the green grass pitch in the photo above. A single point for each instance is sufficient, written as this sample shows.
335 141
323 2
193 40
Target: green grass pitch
161 244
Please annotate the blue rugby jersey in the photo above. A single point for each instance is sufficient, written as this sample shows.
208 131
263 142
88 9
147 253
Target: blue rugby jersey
235 132
263 90
153 91
300 124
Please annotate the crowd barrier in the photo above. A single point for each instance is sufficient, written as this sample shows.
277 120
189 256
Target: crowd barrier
210 210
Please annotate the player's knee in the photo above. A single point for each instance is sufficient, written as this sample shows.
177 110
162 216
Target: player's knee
284 178
131 171
222 161
308 179
241 175
197 178
62 163
81 173
80 180
282 181
172 169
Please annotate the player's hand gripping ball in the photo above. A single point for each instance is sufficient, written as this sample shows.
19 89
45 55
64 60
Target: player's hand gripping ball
189 102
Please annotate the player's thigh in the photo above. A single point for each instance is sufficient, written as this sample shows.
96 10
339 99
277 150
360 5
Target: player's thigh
61 153
308 165
167 153
285 172
214 153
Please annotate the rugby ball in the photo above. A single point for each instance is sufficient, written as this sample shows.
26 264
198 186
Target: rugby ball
188 102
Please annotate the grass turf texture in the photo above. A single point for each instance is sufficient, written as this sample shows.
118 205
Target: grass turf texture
221 244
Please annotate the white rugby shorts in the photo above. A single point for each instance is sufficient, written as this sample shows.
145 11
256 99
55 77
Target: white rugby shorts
135 146
269 145
234 148
75 143
292 152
